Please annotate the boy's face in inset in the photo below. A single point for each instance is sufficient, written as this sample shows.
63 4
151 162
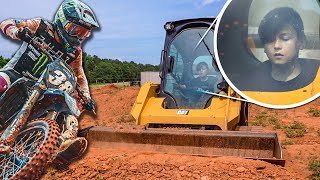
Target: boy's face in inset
203 71
285 47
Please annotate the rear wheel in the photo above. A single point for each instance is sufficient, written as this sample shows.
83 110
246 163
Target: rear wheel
32 150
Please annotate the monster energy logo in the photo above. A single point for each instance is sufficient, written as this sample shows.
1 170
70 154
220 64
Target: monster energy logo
67 46
40 64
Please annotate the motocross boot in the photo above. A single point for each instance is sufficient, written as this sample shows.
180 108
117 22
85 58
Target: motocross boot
70 146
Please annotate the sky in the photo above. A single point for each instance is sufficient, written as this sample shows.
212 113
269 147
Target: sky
129 30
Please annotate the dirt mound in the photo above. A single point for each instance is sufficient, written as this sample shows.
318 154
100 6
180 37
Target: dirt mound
114 105
105 89
102 164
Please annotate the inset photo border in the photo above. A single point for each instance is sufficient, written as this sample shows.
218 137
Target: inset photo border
269 50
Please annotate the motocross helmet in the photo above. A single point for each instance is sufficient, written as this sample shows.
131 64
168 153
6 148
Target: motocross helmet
74 21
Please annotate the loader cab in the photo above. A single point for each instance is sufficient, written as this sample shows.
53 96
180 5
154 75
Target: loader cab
188 65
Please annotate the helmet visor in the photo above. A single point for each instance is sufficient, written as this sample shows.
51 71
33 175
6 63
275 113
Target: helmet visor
76 30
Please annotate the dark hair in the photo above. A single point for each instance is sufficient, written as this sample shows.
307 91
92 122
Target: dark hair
276 20
202 64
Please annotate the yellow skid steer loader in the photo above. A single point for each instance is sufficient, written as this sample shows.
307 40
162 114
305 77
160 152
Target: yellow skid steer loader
179 115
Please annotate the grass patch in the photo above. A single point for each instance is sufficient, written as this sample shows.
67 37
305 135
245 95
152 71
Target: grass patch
97 85
315 168
122 84
297 129
119 84
297 125
315 112
287 142
263 119
275 122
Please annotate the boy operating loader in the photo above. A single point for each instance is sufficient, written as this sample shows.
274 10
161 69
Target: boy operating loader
281 32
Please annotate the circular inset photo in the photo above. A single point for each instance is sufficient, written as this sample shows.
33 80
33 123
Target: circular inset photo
269 50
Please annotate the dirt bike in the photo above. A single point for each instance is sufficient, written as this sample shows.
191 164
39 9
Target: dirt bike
32 115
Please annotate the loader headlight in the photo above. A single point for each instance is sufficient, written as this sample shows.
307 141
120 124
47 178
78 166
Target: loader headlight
169 27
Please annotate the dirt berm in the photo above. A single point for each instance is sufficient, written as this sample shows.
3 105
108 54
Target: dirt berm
114 105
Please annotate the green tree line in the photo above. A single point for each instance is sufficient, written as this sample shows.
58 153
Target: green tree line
108 70
3 61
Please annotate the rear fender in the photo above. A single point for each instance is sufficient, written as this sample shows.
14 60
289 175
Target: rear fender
57 100
13 99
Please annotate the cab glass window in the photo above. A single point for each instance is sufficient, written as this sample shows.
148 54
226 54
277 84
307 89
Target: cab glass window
192 72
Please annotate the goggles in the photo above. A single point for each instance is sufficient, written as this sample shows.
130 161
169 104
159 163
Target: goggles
77 31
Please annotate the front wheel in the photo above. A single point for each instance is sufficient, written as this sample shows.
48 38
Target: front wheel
33 148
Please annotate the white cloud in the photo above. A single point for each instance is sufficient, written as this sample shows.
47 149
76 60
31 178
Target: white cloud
207 2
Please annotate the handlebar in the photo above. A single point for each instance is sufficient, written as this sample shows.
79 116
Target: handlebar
88 104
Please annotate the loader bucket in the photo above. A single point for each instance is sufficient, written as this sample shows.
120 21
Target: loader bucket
253 145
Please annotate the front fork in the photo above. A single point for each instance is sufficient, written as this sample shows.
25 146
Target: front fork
10 134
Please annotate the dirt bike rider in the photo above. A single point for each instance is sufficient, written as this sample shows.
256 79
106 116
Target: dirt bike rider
72 24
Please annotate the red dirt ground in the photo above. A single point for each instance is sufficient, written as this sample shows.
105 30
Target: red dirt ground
114 105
